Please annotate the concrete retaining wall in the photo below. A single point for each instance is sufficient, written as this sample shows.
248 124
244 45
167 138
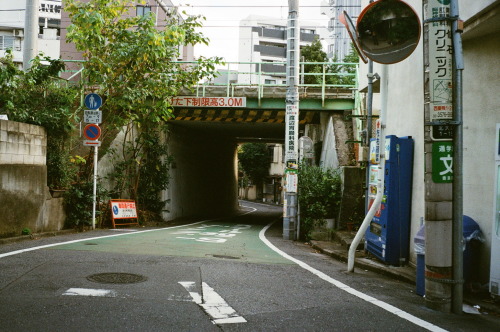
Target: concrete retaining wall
24 195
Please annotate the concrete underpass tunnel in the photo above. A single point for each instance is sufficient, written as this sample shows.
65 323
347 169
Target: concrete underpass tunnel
204 175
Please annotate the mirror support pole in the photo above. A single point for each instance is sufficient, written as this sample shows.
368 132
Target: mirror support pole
457 292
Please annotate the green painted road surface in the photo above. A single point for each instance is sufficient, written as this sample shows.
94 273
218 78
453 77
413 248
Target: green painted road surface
213 240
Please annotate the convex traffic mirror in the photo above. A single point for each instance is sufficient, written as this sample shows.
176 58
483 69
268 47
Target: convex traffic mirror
389 31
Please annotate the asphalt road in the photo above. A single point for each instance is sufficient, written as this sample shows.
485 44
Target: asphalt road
235 274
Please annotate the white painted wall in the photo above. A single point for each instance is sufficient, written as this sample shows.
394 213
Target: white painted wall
481 114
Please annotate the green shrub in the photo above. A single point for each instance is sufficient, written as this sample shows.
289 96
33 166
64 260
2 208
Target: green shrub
319 197
78 201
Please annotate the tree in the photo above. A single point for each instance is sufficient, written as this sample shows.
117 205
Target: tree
334 72
254 160
352 57
313 53
129 61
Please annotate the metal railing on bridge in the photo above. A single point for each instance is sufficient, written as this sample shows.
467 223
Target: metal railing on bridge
329 78
326 78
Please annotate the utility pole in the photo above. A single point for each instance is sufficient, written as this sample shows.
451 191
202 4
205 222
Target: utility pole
292 122
443 65
30 48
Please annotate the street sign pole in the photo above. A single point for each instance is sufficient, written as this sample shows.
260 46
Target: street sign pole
94 192
92 132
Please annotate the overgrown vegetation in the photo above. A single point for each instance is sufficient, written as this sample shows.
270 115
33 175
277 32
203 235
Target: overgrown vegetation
254 161
319 197
131 64
145 180
39 97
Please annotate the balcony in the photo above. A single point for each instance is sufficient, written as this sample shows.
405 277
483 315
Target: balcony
271 69
308 37
265 50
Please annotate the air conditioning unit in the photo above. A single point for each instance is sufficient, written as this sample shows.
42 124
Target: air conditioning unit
19 33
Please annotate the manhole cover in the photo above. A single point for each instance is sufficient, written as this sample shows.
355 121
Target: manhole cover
225 257
117 278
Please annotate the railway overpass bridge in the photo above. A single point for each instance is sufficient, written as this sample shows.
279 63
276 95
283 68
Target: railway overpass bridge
209 123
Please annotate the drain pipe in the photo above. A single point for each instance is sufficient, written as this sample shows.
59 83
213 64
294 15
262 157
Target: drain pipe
380 173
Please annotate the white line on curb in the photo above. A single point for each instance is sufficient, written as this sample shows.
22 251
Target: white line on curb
388 307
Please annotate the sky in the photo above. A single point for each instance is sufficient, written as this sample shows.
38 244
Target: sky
223 19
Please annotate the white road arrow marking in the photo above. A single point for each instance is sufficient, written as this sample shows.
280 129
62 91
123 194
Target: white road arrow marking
90 292
213 304
190 286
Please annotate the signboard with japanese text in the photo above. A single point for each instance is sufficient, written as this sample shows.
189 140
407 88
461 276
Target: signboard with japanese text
375 144
189 101
292 182
291 132
442 162
92 116
49 9
122 210
440 69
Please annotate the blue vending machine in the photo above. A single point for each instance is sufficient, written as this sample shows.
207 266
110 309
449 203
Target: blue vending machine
388 235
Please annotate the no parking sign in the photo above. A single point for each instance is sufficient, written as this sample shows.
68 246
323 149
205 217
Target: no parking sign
92 132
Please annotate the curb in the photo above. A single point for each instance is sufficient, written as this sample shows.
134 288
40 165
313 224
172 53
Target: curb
366 264
35 236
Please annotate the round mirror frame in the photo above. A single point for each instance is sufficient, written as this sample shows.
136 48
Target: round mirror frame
388 31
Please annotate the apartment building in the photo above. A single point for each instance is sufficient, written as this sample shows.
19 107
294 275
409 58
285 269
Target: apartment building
262 48
339 42
12 25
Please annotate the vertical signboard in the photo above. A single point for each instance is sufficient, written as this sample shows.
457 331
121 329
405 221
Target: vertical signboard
291 134
442 162
440 69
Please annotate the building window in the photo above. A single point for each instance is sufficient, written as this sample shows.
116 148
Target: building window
266 81
308 31
143 10
10 42
270 152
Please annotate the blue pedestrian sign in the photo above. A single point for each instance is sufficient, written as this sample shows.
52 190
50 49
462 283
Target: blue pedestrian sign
93 101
